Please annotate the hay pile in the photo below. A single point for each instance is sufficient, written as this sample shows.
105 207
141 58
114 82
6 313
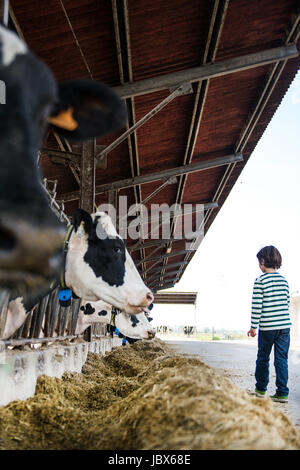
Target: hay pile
144 397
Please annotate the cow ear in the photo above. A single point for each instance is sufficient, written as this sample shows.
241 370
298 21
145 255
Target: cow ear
86 109
82 217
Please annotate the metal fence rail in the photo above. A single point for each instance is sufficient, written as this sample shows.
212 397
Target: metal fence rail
49 322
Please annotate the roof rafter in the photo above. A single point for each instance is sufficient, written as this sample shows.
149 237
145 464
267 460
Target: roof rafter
207 71
138 180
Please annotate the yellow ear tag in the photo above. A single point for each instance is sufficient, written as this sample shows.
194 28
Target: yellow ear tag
65 120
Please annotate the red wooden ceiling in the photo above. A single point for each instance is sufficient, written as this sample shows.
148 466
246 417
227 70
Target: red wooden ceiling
77 38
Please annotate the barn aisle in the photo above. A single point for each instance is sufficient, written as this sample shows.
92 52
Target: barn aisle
236 361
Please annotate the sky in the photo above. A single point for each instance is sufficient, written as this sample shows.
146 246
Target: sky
261 209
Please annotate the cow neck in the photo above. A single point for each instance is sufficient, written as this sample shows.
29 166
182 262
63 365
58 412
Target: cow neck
65 252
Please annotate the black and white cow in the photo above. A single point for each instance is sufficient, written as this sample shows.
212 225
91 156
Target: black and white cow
97 267
188 330
30 234
131 326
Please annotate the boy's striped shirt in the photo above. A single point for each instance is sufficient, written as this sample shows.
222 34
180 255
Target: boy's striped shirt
270 303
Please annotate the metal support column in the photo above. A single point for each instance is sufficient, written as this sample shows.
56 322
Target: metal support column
87 187
4 11
87 191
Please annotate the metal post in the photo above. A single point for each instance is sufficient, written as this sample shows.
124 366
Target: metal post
87 187
4 11
25 328
39 316
4 299
48 313
54 310
63 315
75 304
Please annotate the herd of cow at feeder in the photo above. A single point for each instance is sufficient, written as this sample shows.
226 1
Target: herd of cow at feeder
37 252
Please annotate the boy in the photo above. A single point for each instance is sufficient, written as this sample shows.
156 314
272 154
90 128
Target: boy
270 311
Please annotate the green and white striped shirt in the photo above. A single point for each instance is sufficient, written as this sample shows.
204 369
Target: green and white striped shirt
270 303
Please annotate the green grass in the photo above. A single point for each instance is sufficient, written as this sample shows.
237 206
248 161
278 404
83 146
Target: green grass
203 336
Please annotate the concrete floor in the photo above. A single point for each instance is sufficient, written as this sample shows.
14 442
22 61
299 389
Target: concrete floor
236 361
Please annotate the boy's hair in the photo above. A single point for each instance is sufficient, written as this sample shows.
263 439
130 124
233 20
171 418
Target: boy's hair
270 256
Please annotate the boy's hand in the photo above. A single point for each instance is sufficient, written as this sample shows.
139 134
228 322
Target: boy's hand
251 332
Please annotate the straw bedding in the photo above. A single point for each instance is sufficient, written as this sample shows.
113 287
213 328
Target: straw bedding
144 397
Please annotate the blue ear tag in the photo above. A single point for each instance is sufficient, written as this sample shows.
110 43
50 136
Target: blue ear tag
123 342
116 331
64 296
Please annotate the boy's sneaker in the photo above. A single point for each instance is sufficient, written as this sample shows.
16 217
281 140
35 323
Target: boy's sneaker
260 394
281 399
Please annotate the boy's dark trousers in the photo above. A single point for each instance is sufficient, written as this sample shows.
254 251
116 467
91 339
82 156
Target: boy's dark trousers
281 341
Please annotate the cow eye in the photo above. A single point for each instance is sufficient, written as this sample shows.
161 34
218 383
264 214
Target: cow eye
117 249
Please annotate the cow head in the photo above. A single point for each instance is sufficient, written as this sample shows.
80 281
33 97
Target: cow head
134 326
131 326
98 266
30 233
90 314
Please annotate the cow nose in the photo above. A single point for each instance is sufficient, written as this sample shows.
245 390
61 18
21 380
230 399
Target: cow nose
149 297
28 252
151 334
